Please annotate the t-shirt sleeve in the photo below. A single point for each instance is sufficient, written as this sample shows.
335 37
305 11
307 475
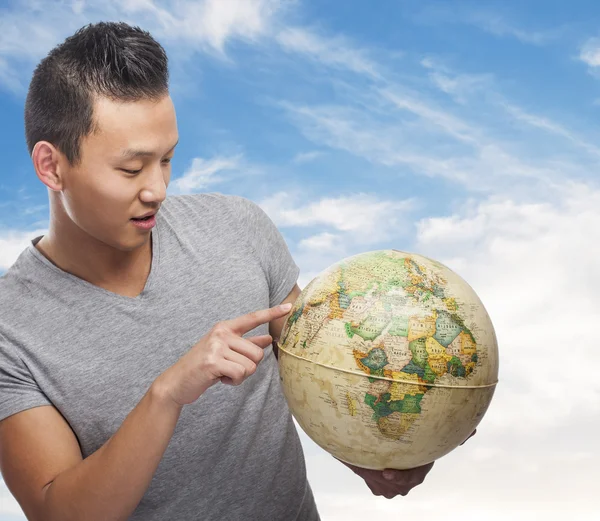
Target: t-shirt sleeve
18 389
269 246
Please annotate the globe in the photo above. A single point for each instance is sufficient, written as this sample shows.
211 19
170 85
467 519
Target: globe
388 360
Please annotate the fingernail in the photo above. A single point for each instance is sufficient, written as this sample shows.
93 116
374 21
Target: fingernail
286 307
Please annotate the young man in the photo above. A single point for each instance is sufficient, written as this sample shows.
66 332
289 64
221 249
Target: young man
117 335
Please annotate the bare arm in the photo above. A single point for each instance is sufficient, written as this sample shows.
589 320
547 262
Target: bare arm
43 468
110 483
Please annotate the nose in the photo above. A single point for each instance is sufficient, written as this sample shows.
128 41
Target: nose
155 186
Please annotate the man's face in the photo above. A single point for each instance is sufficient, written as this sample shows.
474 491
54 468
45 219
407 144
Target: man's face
107 188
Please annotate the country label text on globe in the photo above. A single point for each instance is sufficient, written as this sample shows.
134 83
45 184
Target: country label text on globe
388 360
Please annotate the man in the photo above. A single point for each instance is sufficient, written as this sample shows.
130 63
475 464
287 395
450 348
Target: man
137 378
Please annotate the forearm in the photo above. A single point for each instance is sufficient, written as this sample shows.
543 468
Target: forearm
109 484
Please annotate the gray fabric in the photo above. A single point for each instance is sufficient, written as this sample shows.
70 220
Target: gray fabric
235 453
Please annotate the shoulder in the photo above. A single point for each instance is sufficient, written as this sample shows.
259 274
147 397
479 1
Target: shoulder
215 208
207 201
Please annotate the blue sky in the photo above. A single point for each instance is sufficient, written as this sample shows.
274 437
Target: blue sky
465 131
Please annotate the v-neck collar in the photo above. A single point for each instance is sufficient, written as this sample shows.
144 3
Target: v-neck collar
150 281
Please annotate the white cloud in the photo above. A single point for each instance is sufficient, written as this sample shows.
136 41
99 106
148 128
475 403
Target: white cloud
388 123
24 34
223 19
320 242
529 249
335 51
13 242
368 218
535 267
306 157
337 226
203 173
482 163
27 34
209 23
9 77
461 87
8 504
491 22
497 25
516 478
448 123
590 52
550 126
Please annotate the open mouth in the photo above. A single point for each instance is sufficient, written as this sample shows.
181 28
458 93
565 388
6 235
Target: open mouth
142 218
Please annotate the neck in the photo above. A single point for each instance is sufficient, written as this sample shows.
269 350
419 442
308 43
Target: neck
76 252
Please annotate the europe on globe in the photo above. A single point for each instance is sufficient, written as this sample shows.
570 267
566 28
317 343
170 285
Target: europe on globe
388 360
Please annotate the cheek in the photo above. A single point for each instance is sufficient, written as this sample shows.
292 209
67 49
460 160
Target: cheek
97 198
114 191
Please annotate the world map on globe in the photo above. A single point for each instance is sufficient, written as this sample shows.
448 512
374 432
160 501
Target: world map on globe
388 359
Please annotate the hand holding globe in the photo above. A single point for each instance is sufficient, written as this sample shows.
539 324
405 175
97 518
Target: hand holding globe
392 482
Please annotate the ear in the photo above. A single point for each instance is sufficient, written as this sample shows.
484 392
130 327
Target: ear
47 164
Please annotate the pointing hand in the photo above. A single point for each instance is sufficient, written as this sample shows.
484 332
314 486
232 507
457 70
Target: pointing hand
221 355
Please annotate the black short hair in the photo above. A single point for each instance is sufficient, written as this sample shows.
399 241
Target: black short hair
106 59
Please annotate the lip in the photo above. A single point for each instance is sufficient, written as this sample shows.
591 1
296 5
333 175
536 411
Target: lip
145 225
146 214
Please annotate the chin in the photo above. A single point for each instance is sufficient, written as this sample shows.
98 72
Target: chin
127 244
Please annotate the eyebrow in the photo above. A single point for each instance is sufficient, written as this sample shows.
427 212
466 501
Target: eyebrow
131 153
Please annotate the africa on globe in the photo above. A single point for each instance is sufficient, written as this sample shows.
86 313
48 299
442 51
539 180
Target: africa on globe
388 360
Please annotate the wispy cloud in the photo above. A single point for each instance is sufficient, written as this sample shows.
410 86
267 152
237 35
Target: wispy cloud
391 124
307 157
27 34
506 249
551 127
321 242
481 163
464 87
332 228
503 212
590 52
203 173
209 23
498 25
494 23
9 77
13 242
427 111
461 86
335 51
368 218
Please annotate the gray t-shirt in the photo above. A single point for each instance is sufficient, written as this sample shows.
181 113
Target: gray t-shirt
91 353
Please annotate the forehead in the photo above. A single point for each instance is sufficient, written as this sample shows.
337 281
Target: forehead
120 125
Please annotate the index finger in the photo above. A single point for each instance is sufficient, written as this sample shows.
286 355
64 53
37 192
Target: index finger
245 323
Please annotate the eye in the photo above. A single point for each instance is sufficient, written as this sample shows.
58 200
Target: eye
165 161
